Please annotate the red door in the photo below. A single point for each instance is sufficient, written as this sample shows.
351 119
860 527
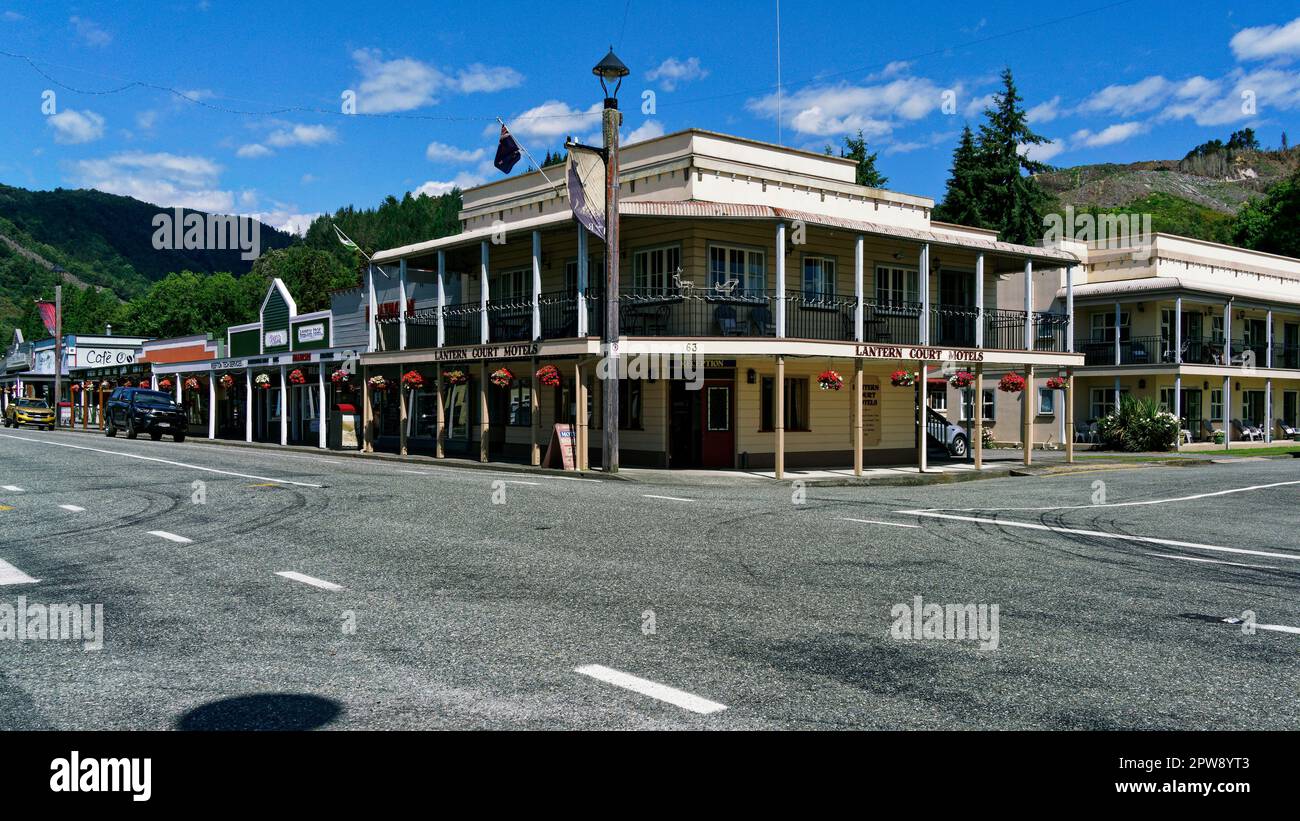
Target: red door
718 431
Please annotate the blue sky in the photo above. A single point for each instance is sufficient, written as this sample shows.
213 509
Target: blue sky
261 128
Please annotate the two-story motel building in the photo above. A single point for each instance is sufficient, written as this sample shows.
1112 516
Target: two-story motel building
768 264
1210 331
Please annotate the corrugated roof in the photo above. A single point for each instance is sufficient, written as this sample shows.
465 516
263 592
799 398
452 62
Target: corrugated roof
1146 285
702 209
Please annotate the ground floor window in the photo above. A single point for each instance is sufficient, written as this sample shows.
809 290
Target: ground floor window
1102 401
937 397
629 404
968 407
796 404
1046 402
1216 405
521 403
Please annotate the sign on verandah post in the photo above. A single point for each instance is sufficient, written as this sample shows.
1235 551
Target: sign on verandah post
561 447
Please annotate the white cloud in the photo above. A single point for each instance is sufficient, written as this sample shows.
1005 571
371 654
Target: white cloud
285 220
168 180
72 126
646 131
1125 100
435 188
441 152
1043 152
12 17
253 151
842 109
302 135
146 120
975 108
673 72
1044 112
1109 135
552 119
90 32
405 83
1237 97
1265 42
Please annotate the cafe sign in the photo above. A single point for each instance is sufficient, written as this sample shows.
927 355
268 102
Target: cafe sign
105 357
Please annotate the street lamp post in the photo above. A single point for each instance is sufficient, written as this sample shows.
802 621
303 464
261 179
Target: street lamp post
610 69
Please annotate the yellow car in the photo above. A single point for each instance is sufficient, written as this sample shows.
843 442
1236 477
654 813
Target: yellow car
29 412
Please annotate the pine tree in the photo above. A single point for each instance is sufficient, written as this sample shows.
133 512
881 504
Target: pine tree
961 200
855 148
1010 200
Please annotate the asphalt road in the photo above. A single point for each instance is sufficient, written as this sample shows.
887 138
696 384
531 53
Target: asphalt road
459 598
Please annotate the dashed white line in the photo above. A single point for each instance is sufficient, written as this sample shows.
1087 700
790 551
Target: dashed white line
12 575
521 482
669 498
1211 561
877 522
13 488
1142 503
161 461
646 687
73 508
1278 628
171 537
305 579
1074 531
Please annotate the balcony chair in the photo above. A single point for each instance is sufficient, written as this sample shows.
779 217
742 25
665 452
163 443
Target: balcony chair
725 316
760 322
1287 431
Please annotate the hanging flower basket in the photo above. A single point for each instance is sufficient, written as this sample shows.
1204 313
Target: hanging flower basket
549 375
164 385
455 377
75 387
1056 383
378 383
501 377
1011 383
413 380
904 379
297 377
830 381
105 385
341 377
192 384
126 383
227 381
962 380
263 381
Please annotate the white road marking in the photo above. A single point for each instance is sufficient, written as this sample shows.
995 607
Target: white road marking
1121 504
162 461
13 488
73 508
669 498
314 582
1074 531
1278 628
520 482
12 575
876 522
1211 561
171 537
645 687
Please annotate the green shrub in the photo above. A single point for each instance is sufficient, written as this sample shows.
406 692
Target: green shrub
1138 425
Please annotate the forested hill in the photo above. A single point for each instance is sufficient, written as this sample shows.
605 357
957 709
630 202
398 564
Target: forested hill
1201 195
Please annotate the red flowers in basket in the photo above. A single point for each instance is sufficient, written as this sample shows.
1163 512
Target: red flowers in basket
1011 383
340 377
962 379
830 381
455 377
297 377
501 377
227 381
191 384
164 385
413 380
904 379
549 375
1056 383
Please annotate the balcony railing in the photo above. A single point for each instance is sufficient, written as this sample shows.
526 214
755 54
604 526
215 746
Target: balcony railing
1159 350
510 320
672 312
461 323
891 322
1050 331
813 315
954 325
1004 329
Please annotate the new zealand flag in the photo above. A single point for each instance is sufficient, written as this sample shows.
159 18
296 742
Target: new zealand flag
507 152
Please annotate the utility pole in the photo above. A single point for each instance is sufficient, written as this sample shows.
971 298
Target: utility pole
58 350
610 69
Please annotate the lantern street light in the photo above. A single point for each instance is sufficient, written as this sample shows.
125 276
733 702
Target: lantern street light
610 70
